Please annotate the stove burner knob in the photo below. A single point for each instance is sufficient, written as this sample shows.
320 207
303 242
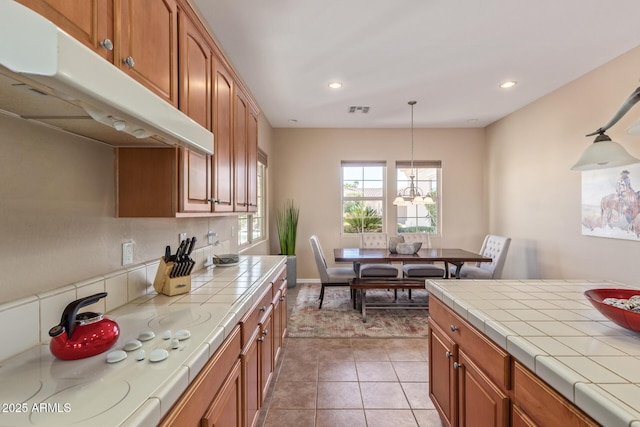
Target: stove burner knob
116 356
146 336
166 335
132 345
175 344
140 355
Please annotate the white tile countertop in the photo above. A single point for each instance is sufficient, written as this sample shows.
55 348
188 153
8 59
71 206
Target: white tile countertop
551 328
38 389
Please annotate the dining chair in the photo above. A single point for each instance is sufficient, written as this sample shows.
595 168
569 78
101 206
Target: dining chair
375 270
329 276
494 247
424 269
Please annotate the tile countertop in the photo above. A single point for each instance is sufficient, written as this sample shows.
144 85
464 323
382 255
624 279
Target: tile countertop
551 328
38 389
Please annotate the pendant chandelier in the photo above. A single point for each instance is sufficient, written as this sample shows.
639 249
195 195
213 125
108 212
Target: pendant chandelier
412 194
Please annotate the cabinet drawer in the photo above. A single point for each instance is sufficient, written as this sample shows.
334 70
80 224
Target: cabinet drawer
542 404
495 362
250 321
280 281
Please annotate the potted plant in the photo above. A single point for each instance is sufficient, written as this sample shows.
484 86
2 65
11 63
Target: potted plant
287 222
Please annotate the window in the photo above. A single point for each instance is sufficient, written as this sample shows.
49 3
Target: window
251 228
419 218
363 192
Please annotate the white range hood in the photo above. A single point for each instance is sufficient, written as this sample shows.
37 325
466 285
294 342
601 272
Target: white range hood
49 77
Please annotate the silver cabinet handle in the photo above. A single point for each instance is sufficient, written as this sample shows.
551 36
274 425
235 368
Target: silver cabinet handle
448 354
107 44
265 332
260 339
212 200
263 309
282 298
457 365
129 61
454 328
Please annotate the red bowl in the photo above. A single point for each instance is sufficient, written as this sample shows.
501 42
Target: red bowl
626 318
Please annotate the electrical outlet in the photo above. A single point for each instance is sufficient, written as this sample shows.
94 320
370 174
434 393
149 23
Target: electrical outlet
181 237
233 231
127 253
210 237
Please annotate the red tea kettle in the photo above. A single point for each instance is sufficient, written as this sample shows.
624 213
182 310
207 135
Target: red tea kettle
82 335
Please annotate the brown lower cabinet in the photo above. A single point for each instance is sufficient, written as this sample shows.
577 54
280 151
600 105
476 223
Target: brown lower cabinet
473 382
230 389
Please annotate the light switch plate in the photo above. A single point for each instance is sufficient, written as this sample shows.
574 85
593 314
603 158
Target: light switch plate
181 237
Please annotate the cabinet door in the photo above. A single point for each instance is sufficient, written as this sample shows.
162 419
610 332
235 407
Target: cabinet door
195 70
277 324
250 360
226 409
223 131
196 182
252 163
88 21
240 152
266 353
148 45
480 402
442 376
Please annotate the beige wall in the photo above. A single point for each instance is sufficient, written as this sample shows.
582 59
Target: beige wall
535 198
57 205
306 168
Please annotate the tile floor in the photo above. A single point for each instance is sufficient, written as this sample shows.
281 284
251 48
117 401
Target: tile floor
350 382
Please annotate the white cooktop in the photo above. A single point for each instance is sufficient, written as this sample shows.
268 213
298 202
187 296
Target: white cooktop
38 389
551 328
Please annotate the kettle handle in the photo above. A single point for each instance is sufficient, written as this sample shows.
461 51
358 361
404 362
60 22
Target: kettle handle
68 319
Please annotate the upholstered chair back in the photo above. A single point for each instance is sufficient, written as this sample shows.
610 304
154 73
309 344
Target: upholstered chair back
496 248
374 240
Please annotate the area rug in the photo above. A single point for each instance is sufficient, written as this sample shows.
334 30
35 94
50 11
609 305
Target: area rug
338 318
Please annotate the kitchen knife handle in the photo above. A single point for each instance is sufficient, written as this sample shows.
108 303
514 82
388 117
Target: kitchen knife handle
192 245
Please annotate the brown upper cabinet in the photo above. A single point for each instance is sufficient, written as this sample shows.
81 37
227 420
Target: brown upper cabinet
147 44
223 87
162 182
165 47
139 37
245 150
195 67
88 21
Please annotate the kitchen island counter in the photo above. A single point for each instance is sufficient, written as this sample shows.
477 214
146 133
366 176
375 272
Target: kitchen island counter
552 329
38 389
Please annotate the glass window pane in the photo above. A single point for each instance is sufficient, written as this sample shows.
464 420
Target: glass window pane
418 218
363 198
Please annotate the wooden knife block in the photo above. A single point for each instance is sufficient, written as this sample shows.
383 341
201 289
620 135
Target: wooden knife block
163 284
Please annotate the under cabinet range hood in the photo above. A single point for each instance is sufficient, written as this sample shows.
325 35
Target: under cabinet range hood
49 77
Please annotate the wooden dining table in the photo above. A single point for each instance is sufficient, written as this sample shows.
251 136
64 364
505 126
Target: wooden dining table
456 257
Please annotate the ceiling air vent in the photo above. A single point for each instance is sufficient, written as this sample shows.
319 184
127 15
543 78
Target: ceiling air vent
358 109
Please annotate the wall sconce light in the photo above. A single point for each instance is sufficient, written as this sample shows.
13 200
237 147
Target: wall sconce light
604 153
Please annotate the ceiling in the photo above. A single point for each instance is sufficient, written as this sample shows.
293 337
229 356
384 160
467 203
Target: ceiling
448 55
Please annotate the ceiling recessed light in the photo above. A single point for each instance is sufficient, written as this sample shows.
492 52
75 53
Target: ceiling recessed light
472 121
335 85
508 84
293 121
